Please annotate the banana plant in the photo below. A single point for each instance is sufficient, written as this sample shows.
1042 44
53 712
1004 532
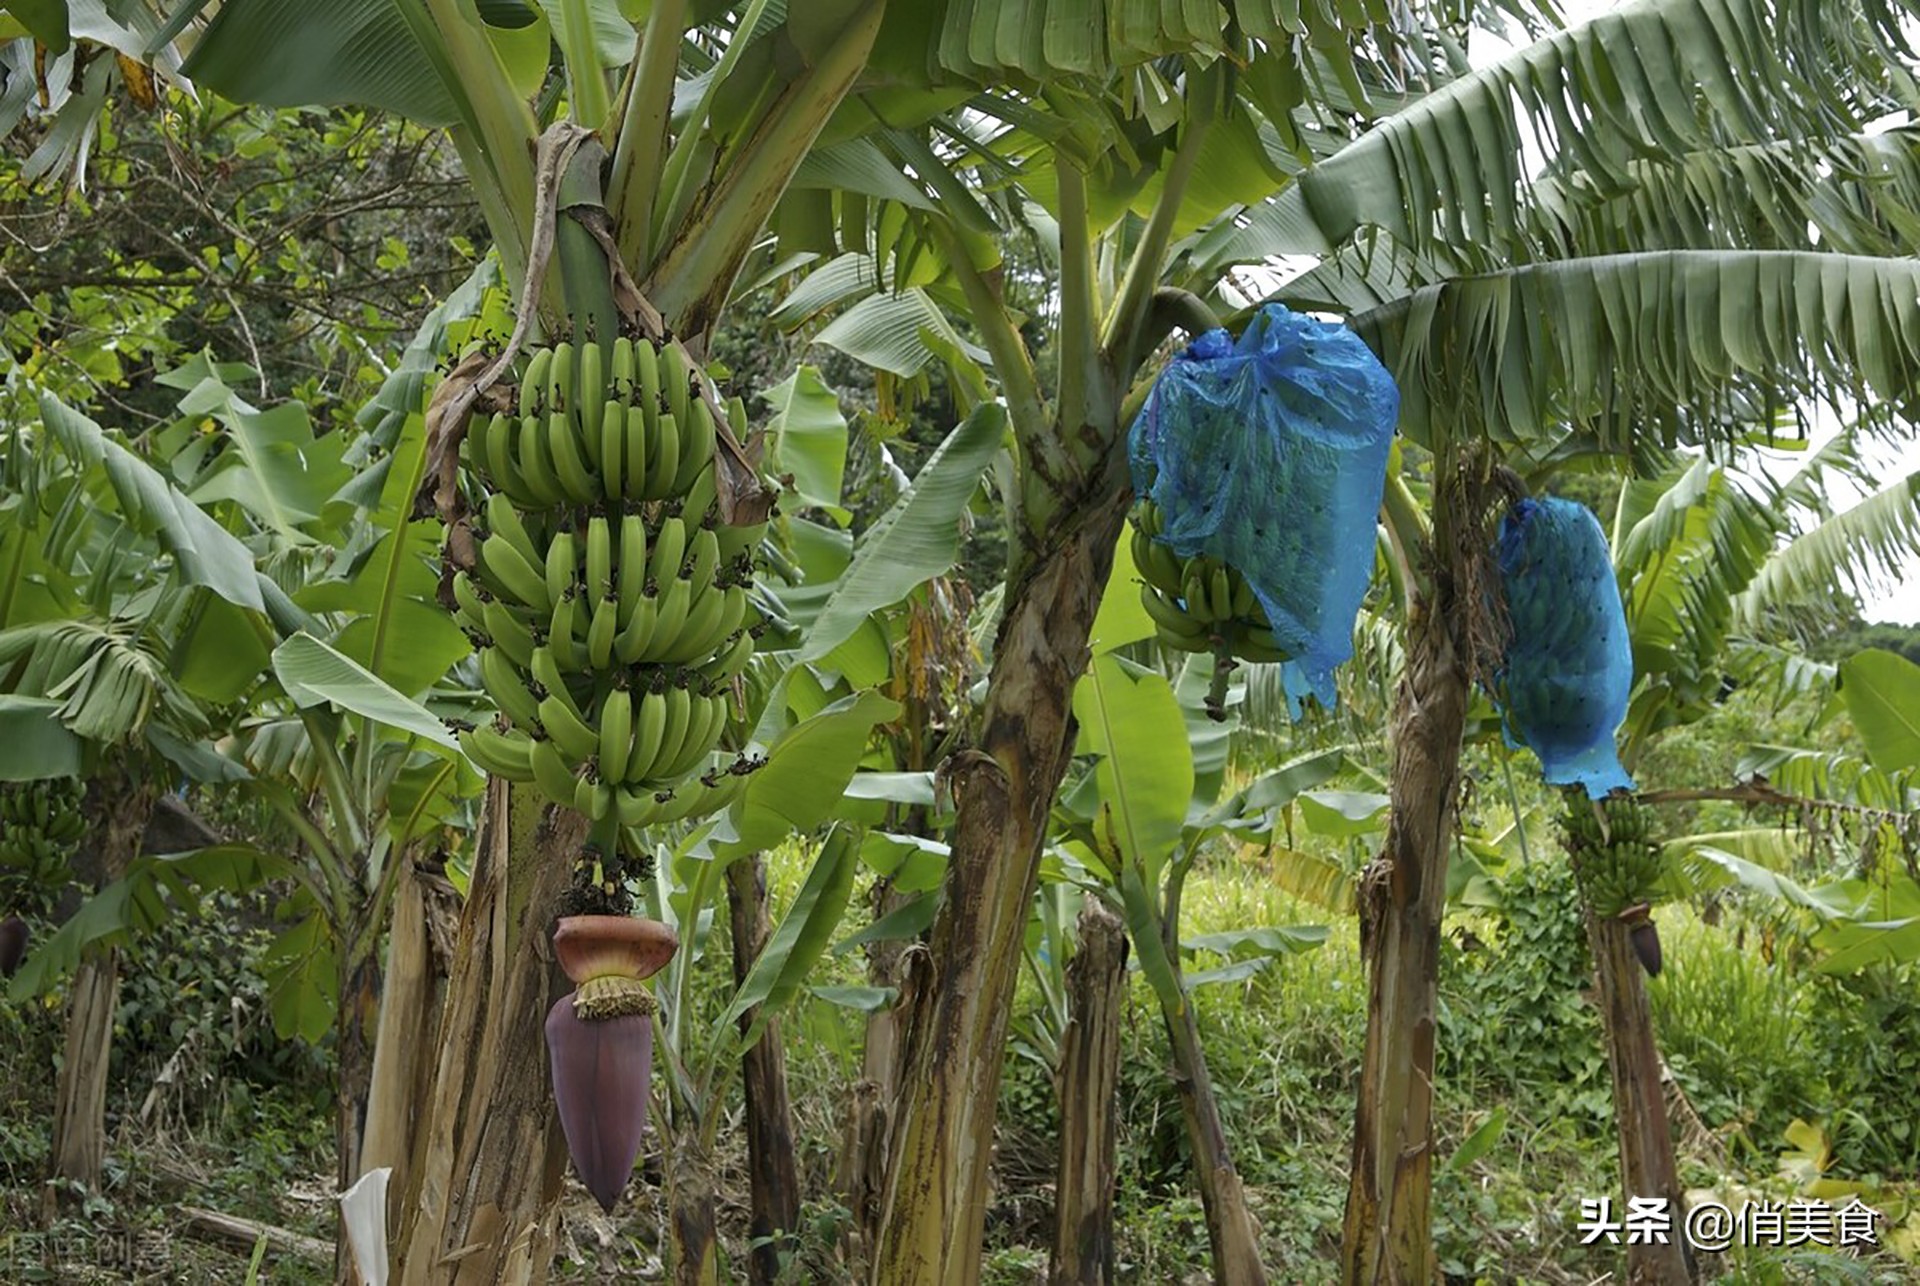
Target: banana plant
357 772
1561 311
687 125
1135 824
73 55
114 670
808 764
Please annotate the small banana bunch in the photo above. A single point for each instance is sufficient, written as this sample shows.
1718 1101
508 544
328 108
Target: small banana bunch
608 603
1617 860
40 822
1198 604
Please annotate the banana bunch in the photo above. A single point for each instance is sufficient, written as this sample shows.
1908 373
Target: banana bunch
1198 604
1615 855
608 604
40 823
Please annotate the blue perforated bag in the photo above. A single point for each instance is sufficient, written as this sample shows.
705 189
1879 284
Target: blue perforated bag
1569 669
1270 455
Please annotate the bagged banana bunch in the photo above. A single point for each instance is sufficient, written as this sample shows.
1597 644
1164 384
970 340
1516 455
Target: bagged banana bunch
1569 668
608 604
1259 467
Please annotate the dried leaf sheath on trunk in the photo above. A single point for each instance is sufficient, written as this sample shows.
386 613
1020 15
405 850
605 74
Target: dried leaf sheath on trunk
1089 1080
1647 1165
1453 636
489 1128
1005 788
773 1177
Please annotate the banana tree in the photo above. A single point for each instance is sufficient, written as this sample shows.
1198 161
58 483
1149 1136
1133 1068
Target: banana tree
701 117
685 198
115 669
1703 558
1561 309
1137 823
1118 160
808 765
321 739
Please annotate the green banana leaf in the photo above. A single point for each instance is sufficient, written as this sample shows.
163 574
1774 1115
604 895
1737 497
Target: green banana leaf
315 674
798 942
807 768
34 744
917 539
807 438
1882 692
207 553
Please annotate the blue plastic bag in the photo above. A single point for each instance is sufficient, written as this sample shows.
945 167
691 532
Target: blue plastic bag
1569 669
1270 455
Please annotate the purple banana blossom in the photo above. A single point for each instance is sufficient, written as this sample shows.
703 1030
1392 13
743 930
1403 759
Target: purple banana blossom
601 1074
600 1043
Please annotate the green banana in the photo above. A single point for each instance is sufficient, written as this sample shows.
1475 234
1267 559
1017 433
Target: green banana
546 672
696 454
577 479
630 644
561 561
563 635
663 466
669 551
504 521
616 734
531 453
590 388
1193 594
574 738
1173 623
670 617
498 754
635 807
646 368
699 634
631 572
508 689
509 633
470 607
1245 605
634 447
533 384
735 541
620 370
613 437
649 731
700 496
731 661
513 575
1255 643
560 380
602 632
592 799
552 773
599 556
709 716
676 375
703 556
679 725
497 446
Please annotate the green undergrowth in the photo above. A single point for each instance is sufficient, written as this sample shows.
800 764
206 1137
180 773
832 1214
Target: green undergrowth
209 1109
